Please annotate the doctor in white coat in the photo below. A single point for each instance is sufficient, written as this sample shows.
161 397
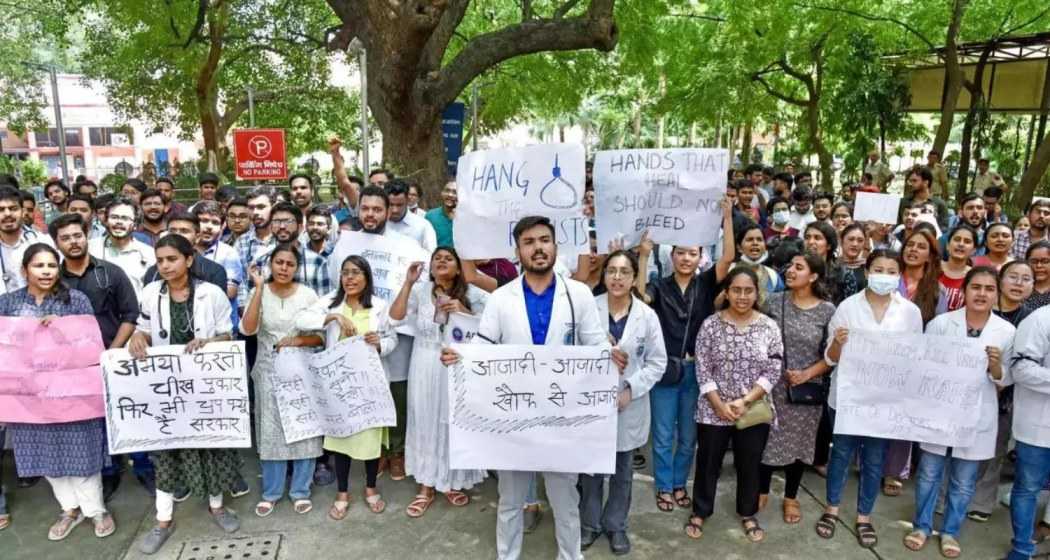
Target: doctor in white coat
635 330
974 320
541 308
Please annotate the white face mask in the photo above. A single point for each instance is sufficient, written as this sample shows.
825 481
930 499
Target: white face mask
883 284
780 217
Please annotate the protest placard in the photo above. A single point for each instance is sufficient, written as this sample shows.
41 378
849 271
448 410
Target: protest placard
673 193
877 207
910 387
498 187
50 374
461 328
533 408
337 392
175 400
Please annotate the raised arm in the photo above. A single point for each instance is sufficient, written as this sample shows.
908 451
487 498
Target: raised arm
342 180
399 308
472 275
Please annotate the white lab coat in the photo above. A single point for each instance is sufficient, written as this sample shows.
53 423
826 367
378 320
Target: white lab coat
506 321
999 333
312 319
211 312
643 341
1030 375
11 259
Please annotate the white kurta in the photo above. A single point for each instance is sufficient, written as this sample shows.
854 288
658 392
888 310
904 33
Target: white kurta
427 440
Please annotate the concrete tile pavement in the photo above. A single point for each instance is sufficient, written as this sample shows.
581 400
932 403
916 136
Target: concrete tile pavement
469 532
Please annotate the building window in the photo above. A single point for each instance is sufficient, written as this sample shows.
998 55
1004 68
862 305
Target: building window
49 138
109 136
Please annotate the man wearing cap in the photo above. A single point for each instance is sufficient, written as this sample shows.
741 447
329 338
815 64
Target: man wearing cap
879 169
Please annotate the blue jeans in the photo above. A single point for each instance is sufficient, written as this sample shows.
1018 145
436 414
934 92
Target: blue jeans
1031 472
674 429
274 473
872 454
962 481
532 498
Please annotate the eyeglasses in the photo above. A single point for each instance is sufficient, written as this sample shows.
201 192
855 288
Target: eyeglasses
351 274
283 222
121 218
1019 279
1039 262
619 272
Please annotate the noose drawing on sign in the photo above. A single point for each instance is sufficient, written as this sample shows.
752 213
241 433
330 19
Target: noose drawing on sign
558 193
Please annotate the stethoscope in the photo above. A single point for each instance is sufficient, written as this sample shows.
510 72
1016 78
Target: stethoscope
160 312
3 262
106 244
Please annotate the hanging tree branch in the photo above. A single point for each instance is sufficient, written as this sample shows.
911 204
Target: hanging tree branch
871 17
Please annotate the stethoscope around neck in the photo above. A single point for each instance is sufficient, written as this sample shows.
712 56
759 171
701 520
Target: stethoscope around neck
160 312
106 244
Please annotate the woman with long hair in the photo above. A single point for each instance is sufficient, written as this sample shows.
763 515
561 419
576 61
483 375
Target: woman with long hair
739 356
962 242
273 307
998 243
922 269
841 216
1038 256
821 240
357 312
426 306
853 240
802 313
974 320
181 309
70 455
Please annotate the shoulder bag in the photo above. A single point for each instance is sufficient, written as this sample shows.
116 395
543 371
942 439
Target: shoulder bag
813 392
673 371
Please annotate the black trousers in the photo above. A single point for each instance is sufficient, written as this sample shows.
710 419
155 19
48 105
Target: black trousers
712 444
792 475
824 433
342 472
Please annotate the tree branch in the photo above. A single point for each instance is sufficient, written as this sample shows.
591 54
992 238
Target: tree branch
1026 23
781 96
352 14
717 19
565 8
872 17
195 33
596 29
434 50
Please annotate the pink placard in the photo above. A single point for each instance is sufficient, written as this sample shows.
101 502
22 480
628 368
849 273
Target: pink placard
50 374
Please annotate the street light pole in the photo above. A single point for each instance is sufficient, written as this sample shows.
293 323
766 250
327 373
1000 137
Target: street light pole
251 107
58 124
362 62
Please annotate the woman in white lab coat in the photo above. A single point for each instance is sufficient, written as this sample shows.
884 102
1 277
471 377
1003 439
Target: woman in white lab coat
635 330
974 320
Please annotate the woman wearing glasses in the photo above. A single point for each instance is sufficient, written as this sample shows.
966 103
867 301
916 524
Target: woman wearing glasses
1038 255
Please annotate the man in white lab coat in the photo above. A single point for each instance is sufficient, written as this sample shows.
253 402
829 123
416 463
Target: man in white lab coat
541 308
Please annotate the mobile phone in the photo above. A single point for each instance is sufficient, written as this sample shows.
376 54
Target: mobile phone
441 316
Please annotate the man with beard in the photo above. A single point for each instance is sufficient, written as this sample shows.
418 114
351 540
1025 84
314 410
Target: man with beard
119 247
110 292
209 215
313 268
57 193
405 222
301 189
14 239
822 207
1038 213
920 179
440 218
154 210
557 310
166 186
259 239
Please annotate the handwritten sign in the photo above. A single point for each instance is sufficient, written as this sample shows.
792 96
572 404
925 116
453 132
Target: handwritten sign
50 374
533 408
338 392
911 387
461 328
498 187
174 400
877 207
672 193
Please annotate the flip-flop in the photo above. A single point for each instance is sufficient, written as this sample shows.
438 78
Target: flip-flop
915 541
264 508
697 528
752 530
302 507
377 505
664 504
456 498
684 500
338 510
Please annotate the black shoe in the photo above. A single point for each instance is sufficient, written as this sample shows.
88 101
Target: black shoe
180 495
148 480
28 481
587 538
110 483
240 487
323 476
638 463
619 543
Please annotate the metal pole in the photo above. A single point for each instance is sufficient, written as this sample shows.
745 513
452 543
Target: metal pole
362 62
474 119
58 124
251 107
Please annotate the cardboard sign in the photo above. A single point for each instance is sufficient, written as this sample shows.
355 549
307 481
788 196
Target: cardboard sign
877 207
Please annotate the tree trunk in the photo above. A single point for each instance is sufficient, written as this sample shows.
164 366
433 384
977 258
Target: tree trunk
1035 172
637 127
976 90
420 155
953 77
692 134
745 145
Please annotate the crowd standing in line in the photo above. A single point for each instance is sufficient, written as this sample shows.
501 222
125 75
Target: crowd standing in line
732 346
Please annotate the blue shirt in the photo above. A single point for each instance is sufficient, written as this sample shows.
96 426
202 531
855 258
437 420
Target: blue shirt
538 307
442 226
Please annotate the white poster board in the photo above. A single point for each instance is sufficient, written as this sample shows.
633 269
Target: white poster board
338 392
174 400
498 187
461 328
877 207
673 193
911 387
533 408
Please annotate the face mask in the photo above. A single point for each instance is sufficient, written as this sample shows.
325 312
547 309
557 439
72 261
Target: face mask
883 284
761 258
780 217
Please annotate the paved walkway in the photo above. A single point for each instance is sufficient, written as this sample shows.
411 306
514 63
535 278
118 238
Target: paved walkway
469 532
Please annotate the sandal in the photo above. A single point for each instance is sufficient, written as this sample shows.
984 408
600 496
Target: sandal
377 505
104 525
915 541
682 500
5 521
664 502
264 508
419 505
693 529
64 526
752 530
456 498
302 507
821 470
1042 532
826 525
763 501
338 510
866 536
792 511
892 487
950 547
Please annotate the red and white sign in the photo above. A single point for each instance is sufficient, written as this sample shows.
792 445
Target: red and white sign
259 154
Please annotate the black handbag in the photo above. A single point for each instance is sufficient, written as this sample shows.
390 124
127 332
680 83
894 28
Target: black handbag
673 371
811 393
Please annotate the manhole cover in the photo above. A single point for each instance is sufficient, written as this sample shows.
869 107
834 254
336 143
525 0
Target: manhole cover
251 547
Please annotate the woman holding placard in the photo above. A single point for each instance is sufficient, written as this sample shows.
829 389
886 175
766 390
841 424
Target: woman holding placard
357 311
974 320
271 314
878 308
425 306
70 455
739 358
181 309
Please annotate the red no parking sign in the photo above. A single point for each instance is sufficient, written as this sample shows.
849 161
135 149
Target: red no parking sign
259 154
